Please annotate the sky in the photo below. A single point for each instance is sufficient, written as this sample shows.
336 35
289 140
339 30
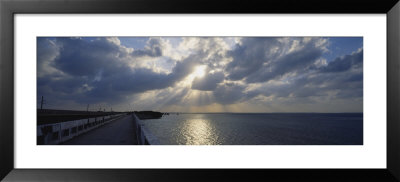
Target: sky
201 74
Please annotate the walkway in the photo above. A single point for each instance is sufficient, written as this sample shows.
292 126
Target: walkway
120 132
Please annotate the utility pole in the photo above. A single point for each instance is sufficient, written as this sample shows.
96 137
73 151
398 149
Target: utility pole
87 108
41 103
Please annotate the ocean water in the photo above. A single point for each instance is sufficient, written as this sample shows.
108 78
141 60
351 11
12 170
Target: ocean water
258 129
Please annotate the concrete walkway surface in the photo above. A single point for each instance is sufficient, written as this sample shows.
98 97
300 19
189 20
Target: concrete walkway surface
119 132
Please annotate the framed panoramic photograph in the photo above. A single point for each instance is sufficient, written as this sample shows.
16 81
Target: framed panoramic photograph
200 90
206 91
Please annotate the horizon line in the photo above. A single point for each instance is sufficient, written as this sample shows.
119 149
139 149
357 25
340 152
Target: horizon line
180 112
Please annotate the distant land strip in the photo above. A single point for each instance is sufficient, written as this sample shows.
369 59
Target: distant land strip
50 116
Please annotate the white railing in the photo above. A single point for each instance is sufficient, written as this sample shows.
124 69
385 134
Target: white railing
144 136
51 134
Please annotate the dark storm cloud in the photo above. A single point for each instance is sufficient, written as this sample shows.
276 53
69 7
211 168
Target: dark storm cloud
95 72
139 80
128 82
208 82
78 57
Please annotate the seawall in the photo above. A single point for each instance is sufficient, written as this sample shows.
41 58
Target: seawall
144 136
52 134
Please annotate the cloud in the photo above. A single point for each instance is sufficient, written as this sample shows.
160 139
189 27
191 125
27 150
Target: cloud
98 71
296 61
153 49
184 67
263 59
345 63
47 51
79 57
228 93
209 82
250 55
249 72
345 83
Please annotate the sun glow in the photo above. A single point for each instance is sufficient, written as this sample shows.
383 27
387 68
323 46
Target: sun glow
199 71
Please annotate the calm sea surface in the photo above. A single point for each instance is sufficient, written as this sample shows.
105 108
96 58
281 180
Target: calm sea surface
258 129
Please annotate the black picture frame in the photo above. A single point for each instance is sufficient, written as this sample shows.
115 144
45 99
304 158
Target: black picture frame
9 8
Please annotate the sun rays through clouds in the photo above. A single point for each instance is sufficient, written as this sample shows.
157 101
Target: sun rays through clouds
203 74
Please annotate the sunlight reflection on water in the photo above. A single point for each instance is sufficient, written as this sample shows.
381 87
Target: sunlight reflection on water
258 129
199 131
